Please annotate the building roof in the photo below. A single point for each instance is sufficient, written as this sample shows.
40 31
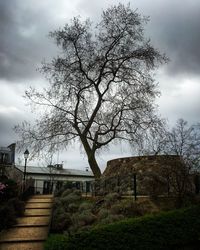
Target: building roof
47 171
5 149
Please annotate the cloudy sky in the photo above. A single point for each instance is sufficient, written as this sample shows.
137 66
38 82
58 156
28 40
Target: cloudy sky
174 28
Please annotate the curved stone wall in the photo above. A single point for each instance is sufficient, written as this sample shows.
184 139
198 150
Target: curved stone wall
139 164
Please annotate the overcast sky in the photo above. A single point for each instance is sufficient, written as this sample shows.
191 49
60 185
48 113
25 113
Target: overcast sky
24 43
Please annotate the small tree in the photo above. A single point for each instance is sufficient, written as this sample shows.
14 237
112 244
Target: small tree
51 166
178 179
181 140
184 140
101 86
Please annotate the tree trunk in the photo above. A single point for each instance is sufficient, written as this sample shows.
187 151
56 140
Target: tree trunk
91 158
94 165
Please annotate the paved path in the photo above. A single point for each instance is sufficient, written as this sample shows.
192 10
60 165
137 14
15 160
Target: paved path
32 229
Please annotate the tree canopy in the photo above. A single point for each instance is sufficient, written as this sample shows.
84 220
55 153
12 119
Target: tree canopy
100 85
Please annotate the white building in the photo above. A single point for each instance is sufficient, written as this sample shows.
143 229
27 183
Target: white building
48 179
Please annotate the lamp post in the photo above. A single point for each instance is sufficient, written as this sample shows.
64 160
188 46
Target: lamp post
26 154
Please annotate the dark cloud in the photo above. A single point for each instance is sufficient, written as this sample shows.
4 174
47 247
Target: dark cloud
7 135
24 26
174 28
23 40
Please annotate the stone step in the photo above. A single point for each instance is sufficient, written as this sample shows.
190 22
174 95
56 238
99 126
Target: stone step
39 205
33 221
37 212
31 230
39 201
24 234
22 246
46 196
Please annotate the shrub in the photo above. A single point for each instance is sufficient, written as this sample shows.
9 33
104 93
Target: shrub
169 230
127 208
65 205
111 218
81 221
9 210
84 219
58 192
103 213
77 192
110 199
130 208
2 187
85 206
57 203
64 202
147 206
117 208
9 189
66 188
66 192
18 205
7 216
60 220
73 207
70 198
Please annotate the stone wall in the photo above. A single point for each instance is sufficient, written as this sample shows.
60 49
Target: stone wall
156 175
140 164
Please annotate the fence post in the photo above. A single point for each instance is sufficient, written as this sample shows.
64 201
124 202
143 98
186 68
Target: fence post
135 186
118 183
197 184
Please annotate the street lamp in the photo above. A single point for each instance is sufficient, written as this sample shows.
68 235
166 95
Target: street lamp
26 154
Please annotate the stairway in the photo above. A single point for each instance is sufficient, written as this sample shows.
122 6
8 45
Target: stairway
32 229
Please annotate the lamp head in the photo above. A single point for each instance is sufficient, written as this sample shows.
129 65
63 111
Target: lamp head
26 154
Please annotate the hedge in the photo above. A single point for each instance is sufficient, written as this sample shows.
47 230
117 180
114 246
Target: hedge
9 211
170 230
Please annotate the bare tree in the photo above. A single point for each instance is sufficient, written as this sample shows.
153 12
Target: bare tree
153 140
181 140
51 166
101 85
184 140
178 179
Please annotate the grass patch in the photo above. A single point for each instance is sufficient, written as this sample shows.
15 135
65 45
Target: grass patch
56 241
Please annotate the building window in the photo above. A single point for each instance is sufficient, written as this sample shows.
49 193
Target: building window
3 158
